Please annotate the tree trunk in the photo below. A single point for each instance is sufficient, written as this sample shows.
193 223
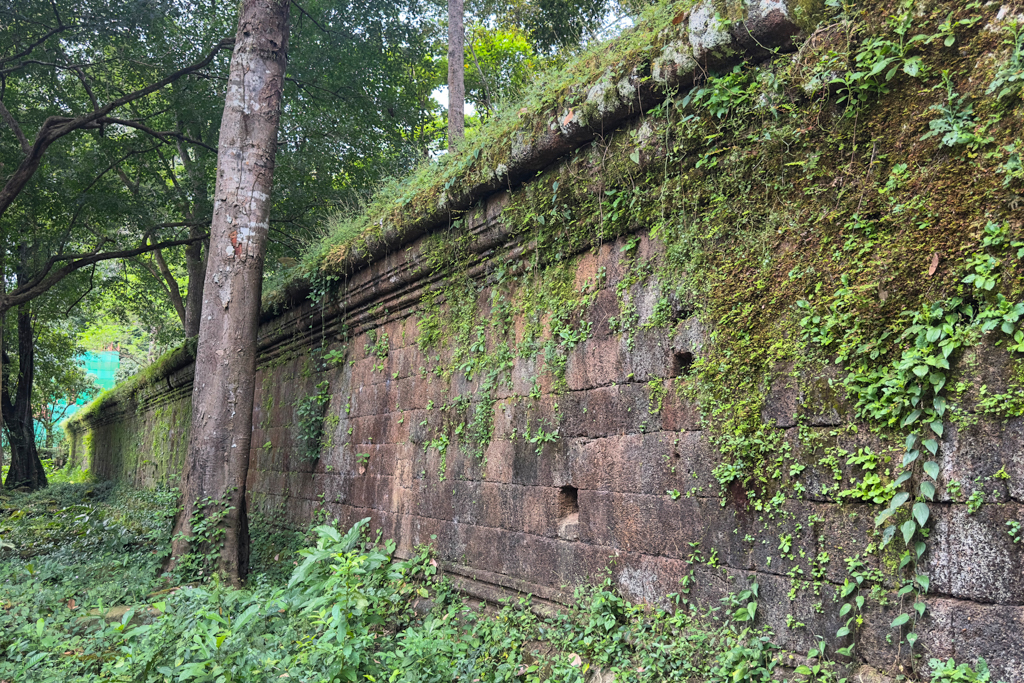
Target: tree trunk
26 469
3 323
456 75
213 481
195 264
195 261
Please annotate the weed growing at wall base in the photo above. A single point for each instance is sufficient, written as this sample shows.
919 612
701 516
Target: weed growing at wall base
84 601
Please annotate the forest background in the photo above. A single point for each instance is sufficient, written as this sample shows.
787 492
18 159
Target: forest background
108 144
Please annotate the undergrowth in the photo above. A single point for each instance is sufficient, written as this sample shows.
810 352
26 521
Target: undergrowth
83 599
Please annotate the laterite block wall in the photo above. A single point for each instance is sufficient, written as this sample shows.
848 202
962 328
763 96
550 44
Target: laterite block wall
623 386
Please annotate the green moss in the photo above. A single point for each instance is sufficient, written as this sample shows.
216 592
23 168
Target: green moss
810 13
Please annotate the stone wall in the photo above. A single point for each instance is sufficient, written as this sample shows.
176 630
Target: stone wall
543 519
598 462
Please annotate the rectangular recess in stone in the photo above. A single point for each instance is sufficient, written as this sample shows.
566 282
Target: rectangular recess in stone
568 513
682 362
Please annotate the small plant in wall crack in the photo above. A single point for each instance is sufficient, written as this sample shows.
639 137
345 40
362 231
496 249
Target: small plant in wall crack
378 347
956 123
310 411
541 437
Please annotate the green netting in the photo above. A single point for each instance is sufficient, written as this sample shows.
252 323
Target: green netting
103 366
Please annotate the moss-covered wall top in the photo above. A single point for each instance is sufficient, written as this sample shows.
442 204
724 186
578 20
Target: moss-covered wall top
737 298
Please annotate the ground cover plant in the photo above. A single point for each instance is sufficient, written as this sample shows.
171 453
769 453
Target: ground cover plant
83 599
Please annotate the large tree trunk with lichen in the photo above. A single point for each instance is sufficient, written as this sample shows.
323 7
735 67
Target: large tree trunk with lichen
26 468
456 75
213 481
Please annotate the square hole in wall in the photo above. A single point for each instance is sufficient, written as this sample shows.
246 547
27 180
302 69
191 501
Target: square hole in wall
568 501
568 513
682 362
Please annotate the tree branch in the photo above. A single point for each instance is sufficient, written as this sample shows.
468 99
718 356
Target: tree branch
56 127
92 275
173 291
73 262
13 124
61 26
159 135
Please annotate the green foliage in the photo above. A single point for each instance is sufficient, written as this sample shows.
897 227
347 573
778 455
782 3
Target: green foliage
975 501
310 411
206 542
499 63
1008 79
872 488
880 58
956 122
949 672
87 604
378 347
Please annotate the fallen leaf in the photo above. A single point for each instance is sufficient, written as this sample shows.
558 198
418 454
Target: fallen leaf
71 604
568 118
935 264
680 18
576 660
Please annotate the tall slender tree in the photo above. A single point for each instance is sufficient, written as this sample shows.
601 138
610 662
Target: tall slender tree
217 463
16 406
456 75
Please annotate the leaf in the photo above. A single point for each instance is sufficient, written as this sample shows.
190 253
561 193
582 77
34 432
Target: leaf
843 632
940 405
902 478
932 469
887 535
635 157
844 609
910 457
803 670
921 513
923 581
883 515
928 490
899 499
908 529
936 426
900 620
935 263
912 417
921 371
920 607
932 445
